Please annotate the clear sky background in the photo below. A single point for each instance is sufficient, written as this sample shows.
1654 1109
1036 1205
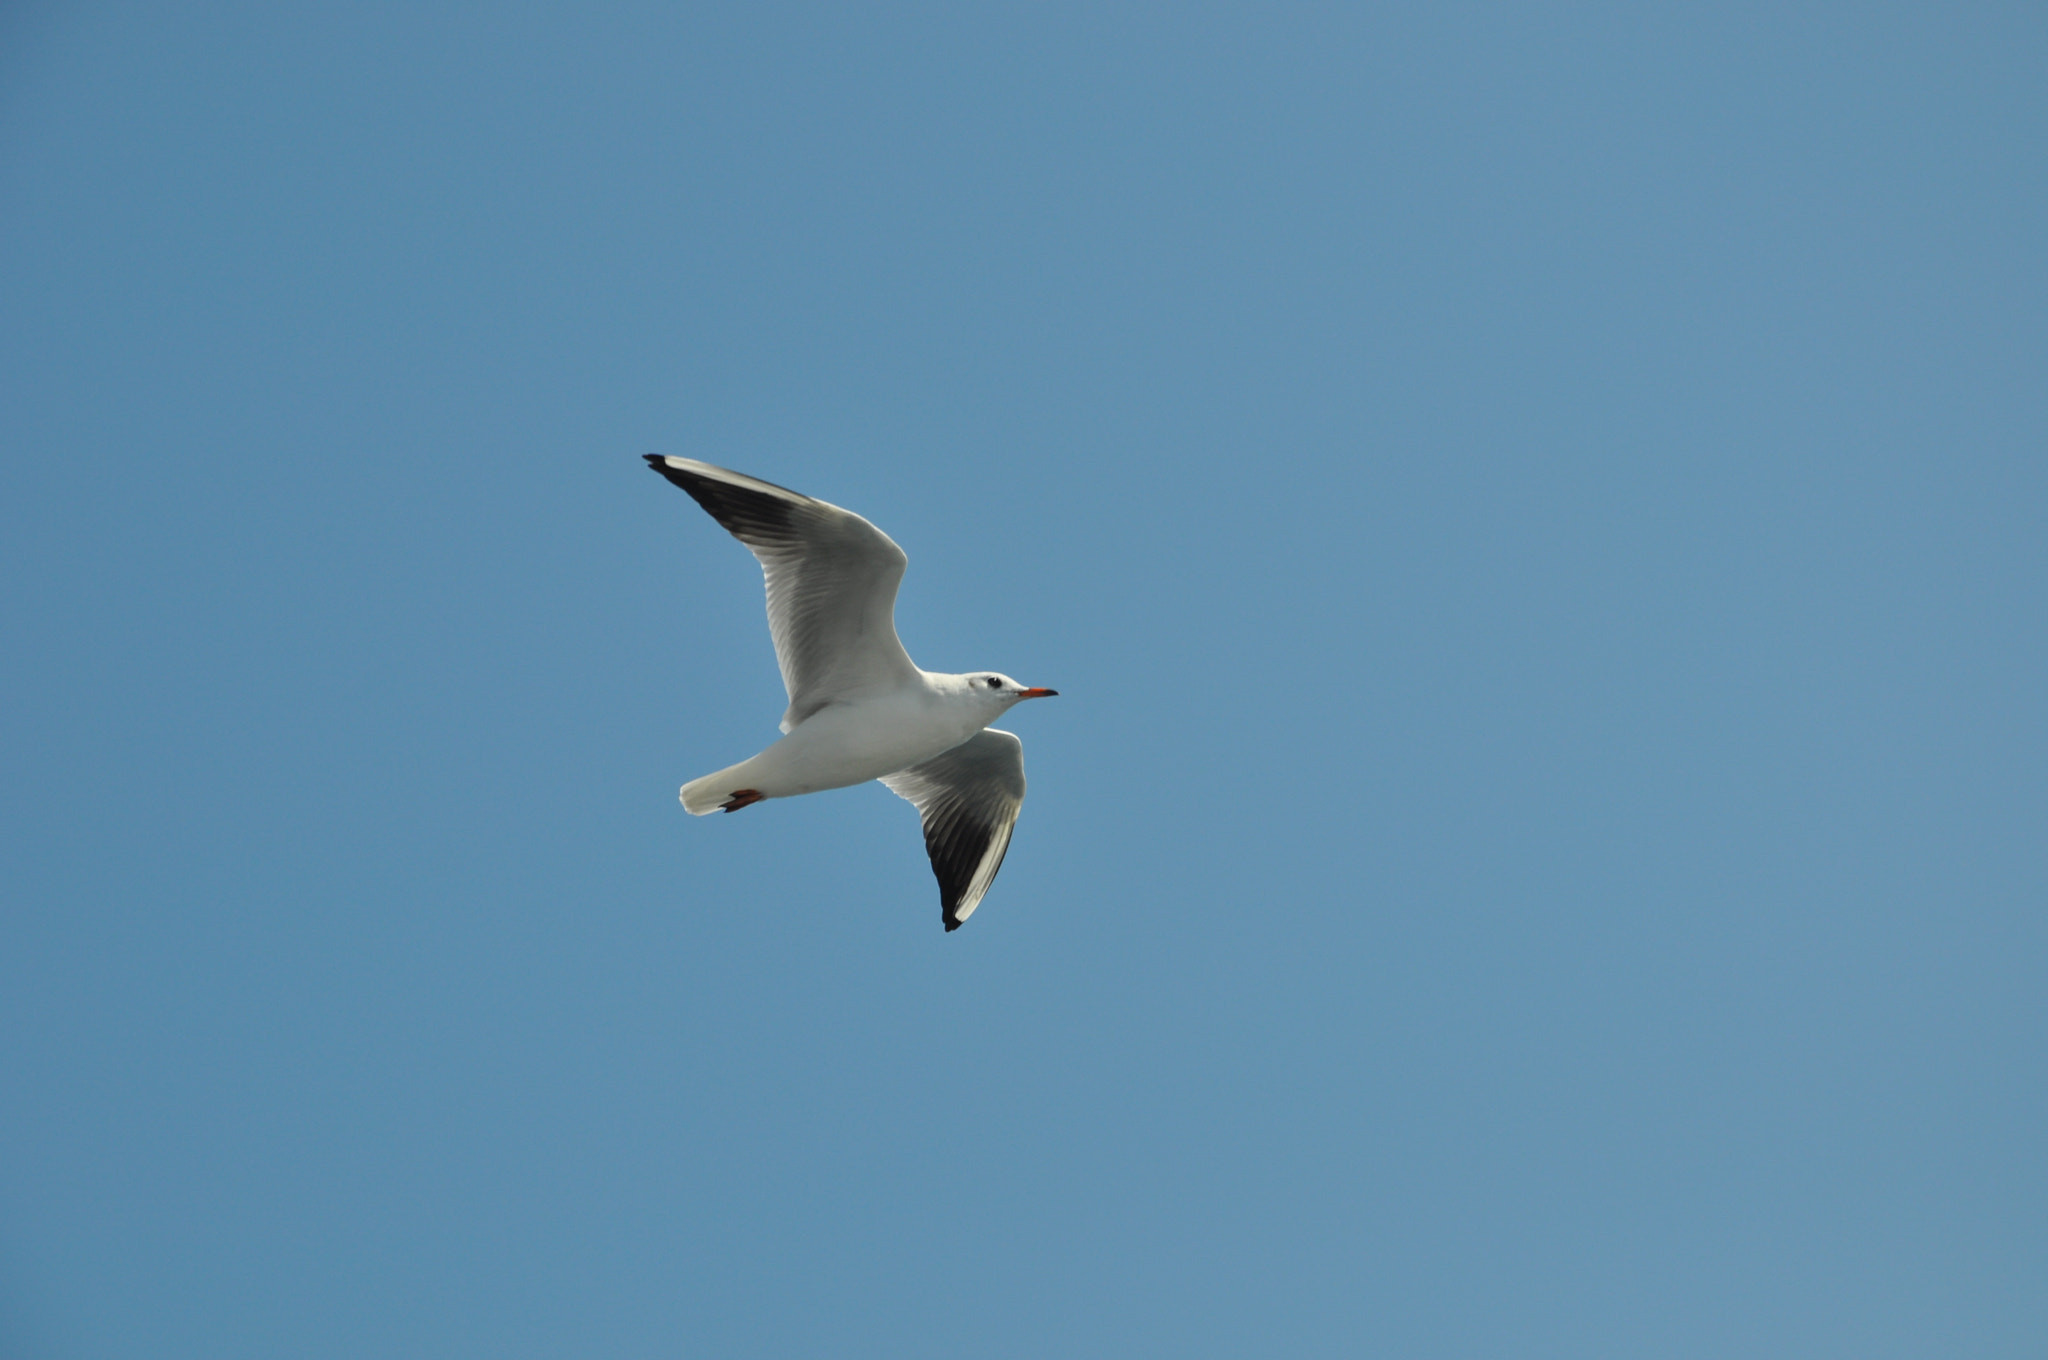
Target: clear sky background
1538 516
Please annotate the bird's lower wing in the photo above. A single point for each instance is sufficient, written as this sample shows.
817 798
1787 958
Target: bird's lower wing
969 799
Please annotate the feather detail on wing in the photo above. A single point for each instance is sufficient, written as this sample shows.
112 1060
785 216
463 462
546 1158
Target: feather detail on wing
969 798
831 578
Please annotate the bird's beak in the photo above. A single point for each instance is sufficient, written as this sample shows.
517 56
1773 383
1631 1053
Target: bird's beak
1036 693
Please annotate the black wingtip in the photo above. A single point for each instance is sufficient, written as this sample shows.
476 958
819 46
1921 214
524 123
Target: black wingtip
688 481
952 923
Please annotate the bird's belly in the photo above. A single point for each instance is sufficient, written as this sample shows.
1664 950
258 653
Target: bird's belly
840 746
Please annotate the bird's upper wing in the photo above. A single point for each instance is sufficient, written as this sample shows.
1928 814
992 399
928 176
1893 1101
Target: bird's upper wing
969 798
832 580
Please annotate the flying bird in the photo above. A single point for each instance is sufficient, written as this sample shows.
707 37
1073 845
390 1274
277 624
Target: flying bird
859 708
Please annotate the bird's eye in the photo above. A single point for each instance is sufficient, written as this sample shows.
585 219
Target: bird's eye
994 683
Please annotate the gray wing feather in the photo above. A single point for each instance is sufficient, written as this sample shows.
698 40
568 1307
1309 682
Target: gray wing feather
969 798
831 578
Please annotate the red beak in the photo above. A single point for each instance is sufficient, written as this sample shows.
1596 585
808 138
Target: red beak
1036 693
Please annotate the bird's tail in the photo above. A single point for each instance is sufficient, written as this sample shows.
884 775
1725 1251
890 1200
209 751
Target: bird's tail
710 793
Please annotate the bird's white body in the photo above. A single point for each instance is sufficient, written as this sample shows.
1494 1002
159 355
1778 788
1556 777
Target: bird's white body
859 708
870 735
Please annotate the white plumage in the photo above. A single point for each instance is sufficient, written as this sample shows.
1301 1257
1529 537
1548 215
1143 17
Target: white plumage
859 708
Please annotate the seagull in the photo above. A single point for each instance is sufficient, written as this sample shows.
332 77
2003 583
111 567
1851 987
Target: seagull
859 708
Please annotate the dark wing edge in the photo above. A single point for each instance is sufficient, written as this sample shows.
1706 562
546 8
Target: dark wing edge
969 799
759 514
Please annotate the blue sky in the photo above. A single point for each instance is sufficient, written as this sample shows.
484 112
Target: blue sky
1536 517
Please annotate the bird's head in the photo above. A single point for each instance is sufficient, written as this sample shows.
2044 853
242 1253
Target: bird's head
993 687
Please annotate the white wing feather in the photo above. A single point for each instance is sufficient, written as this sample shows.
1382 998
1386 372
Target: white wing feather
831 579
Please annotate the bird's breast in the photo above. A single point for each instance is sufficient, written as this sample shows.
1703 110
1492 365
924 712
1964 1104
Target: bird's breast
853 742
